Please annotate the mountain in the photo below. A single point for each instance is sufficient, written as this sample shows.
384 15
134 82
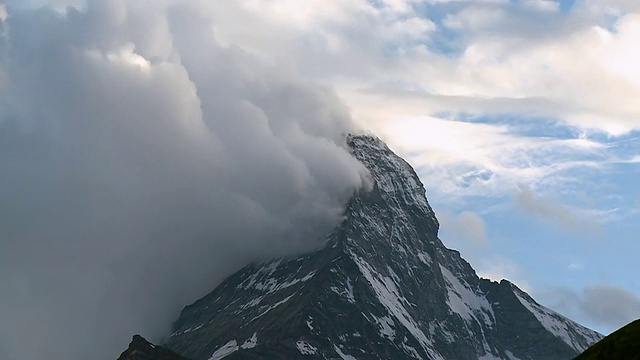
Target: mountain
141 349
623 344
383 287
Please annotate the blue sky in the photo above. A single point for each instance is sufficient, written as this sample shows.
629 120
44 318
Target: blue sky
561 223
135 157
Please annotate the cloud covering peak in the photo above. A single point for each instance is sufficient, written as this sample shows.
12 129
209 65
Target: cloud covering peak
142 162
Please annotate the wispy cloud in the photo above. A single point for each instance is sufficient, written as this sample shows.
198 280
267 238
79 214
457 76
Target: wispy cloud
606 306
499 268
466 227
551 209
461 159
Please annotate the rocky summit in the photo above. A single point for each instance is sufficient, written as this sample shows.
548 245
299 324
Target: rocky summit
141 349
383 287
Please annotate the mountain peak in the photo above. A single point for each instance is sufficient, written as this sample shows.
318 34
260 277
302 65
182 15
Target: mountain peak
393 176
384 286
141 349
395 183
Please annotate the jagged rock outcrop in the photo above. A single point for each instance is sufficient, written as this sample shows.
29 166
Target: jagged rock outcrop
383 287
141 349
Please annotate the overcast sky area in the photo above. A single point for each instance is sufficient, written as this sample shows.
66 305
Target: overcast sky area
151 147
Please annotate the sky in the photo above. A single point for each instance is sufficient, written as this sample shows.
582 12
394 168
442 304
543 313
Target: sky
150 148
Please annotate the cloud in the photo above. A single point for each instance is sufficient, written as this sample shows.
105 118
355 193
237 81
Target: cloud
497 268
466 227
505 54
604 305
542 5
481 69
550 209
142 163
610 305
546 208
461 159
479 96
467 233
510 66
495 53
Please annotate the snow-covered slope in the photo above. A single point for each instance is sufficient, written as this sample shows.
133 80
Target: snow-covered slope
383 287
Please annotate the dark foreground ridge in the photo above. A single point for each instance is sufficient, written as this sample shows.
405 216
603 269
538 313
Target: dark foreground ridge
623 344
141 349
383 287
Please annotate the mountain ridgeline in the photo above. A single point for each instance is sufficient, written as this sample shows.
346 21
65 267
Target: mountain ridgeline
383 287
623 344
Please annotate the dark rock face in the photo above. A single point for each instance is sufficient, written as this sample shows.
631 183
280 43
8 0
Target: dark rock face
141 349
623 344
383 287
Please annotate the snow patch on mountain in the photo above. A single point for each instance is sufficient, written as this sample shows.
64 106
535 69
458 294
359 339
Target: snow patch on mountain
346 292
226 350
386 327
305 348
410 350
511 356
265 280
251 303
557 324
269 308
343 355
465 302
388 295
251 342
489 357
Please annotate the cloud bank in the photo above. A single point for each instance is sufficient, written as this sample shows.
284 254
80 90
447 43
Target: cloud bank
465 228
606 305
537 89
549 209
142 162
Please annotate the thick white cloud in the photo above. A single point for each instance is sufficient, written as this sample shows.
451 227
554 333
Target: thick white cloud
399 63
142 162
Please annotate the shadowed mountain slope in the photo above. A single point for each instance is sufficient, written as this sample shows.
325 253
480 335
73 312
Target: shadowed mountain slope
623 344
